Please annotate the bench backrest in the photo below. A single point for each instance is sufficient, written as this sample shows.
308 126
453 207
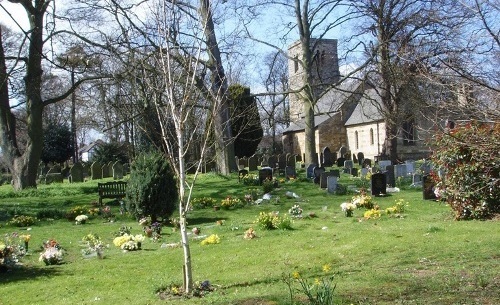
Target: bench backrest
112 188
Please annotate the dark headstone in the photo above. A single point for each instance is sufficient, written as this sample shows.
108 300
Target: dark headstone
400 170
367 162
335 172
265 173
326 159
252 163
348 164
105 171
317 173
242 173
290 172
272 162
323 179
310 170
96 171
354 172
342 151
290 160
354 159
428 187
118 171
76 173
378 184
340 162
331 184
361 156
382 164
389 174
53 177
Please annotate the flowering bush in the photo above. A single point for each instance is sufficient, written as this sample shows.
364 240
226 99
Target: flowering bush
75 211
249 179
229 202
295 211
81 219
320 291
22 221
129 242
470 159
94 244
271 221
398 208
203 202
372 214
52 253
363 201
211 240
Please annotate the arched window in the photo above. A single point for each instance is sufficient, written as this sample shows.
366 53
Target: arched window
295 63
356 139
372 139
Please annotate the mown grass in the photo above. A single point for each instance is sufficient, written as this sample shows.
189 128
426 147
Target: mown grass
423 258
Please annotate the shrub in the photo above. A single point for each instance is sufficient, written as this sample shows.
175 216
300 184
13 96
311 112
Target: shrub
250 179
50 214
152 188
203 202
22 221
341 190
230 202
471 163
271 221
267 186
75 211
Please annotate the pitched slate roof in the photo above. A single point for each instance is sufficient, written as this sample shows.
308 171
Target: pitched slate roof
300 124
367 110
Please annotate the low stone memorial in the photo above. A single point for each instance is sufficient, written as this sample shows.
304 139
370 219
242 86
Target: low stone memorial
310 170
265 173
290 172
331 184
252 163
378 184
389 174
323 179
354 172
400 170
382 164
76 173
348 164
367 162
364 172
317 173
335 172
340 162
410 167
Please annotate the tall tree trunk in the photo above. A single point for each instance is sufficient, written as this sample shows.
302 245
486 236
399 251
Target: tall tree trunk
24 165
224 146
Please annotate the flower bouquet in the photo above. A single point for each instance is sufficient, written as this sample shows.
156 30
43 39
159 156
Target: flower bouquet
81 219
249 234
295 211
52 254
348 208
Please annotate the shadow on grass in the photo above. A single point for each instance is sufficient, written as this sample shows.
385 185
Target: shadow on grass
26 273
204 220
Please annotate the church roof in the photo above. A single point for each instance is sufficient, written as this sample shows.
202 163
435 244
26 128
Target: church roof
300 124
367 110
334 98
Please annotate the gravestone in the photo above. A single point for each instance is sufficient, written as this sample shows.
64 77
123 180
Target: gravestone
416 179
382 164
318 170
53 177
290 159
367 162
335 172
354 172
237 161
242 173
242 162
265 173
327 157
95 171
54 169
310 170
86 170
272 162
281 163
342 151
400 170
323 179
389 174
354 158
410 167
43 169
331 184
361 156
290 172
364 172
426 167
378 184
340 162
126 168
105 171
76 173
428 187
252 163
65 171
117 170
348 164
265 161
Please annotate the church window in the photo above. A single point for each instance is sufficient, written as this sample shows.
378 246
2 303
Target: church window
295 64
408 133
372 138
356 139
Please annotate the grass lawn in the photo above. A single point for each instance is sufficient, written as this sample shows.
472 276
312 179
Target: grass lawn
423 257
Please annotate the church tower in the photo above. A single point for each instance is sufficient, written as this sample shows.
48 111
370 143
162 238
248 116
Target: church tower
325 69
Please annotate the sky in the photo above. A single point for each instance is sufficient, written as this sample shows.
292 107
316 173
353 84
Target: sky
16 11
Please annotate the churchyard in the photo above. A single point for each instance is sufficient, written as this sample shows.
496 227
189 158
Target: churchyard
411 251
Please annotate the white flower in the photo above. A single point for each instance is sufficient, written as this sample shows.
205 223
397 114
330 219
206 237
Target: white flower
347 206
81 218
139 238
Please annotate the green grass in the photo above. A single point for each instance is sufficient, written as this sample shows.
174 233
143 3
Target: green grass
424 258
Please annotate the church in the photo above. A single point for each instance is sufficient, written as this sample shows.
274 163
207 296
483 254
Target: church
347 116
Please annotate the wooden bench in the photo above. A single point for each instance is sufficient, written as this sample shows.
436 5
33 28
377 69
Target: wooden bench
113 189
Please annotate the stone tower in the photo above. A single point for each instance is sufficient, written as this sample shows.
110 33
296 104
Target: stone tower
325 69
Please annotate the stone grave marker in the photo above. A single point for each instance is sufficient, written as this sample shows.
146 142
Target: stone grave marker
265 161
272 162
342 151
382 164
416 179
410 167
252 163
354 158
318 170
323 179
43 169
265 173
54 169
361 157
242 163
281 163
76 173
364 171
400 170
117 170
290 172
389 174
354 172
310 170
65 171
367 162
378 184
348 164
426 168
53 177
105 171
95 171
340 162
428 187
327 159
335 172
331 184
290 159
